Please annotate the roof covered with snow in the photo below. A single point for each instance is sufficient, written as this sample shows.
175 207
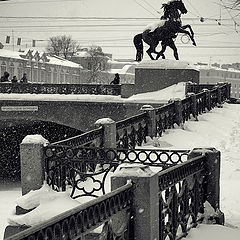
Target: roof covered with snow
52 60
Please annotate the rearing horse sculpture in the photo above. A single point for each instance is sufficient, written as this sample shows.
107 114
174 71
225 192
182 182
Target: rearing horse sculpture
165 30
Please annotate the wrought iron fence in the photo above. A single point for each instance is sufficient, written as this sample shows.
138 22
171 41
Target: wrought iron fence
80 222
84 170
91 138
181 198
201 103
196 88
165 118
186 109
49 88
132 131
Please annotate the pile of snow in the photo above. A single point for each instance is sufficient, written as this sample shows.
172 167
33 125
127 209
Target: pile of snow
47 204
166 64
174 91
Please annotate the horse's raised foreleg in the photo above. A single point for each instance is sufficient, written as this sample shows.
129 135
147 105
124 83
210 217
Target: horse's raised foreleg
181 30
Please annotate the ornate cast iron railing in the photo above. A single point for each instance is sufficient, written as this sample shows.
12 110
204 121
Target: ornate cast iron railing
132 131
186 109
91 138
80 222
214 98
84 171
196 88
165 118
201 103
50 88
181 198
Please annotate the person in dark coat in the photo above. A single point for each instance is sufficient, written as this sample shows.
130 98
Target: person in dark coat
24 78
14 79
116 79
5 77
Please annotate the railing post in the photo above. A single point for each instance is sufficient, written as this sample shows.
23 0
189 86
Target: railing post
178 110
32 162
152 126
212 178
219 93
208 98
109 127
193 104
145 199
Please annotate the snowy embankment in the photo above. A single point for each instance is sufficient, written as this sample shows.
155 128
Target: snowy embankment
174 91
220 129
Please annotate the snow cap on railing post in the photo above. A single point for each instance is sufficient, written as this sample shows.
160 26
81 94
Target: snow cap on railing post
32 162
212 178
109 136
152 128
145 203
178 110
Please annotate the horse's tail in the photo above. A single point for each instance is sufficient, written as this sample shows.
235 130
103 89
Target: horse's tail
138 43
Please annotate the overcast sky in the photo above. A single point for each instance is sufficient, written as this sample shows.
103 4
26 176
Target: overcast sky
113 23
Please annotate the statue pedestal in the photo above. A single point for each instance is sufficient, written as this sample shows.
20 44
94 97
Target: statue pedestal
155 75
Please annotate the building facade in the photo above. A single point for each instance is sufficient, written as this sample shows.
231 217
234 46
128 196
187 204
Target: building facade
39 67
215 75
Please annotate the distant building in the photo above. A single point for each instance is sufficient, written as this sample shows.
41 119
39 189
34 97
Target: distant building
39 67
87 61
211 74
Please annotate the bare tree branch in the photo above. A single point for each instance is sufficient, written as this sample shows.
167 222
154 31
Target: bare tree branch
62 46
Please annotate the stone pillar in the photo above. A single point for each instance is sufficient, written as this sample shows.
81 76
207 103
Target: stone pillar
32 162
145 198
212 179
109 127
178 110
194 104
152 126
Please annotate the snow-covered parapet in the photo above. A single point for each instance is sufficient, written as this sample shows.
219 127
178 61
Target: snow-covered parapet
47 204
167 64
35 139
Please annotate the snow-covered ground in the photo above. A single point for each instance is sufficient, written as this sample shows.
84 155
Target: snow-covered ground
219 128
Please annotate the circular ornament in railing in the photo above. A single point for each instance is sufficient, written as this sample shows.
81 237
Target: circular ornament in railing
49 152
132 156
175 158
142 156
164 157
153 157
111 154
69 153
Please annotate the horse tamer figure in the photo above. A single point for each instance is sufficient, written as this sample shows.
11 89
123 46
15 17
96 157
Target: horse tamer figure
164 31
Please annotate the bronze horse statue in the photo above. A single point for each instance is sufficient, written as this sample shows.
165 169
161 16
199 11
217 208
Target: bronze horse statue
165 31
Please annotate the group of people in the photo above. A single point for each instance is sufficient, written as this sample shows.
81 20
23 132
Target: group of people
5 78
